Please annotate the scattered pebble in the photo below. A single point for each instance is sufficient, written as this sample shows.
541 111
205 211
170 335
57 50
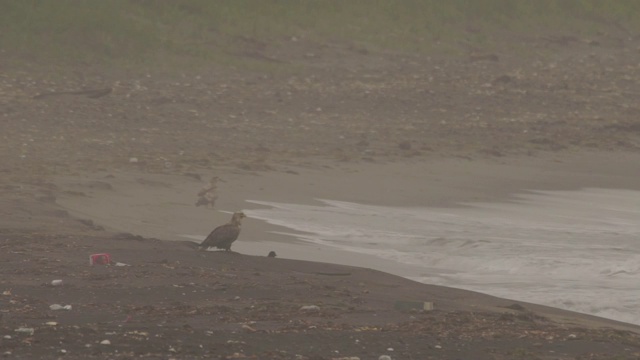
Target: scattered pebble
105 342
390 349
7 337
133 160
51 323
56 282
310 308
59 307
384 357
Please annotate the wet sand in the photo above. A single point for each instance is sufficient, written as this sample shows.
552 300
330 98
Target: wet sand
162 206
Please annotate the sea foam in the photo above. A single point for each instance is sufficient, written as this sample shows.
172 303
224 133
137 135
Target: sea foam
577 250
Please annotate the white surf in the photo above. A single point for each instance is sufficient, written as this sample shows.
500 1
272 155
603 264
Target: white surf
577 250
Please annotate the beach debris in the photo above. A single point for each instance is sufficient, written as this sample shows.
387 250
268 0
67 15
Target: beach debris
310 308
25 330
272 254
120 264
516 306
90 93
59 307
7 337
347 358
384 357
224 235
100 259
248 328
208 195
51 323
7 353
413 305
237 356
56 283
235 342
105 342
133 160
62 351
390 349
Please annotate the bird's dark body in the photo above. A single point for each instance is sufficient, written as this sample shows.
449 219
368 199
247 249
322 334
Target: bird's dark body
224 235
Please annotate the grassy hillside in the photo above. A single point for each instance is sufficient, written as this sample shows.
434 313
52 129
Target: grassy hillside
149 31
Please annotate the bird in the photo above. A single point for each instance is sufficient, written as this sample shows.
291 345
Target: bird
272 254
207 196
224 235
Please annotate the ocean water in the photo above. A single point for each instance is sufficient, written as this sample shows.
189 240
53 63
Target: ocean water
576 250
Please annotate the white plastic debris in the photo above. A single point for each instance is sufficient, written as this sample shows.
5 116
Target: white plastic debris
105 342
310 308
51 323
121 264
390 349
25 330
7 337
384 357
56 283
59 307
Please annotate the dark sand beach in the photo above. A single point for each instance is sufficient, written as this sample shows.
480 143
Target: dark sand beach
119 174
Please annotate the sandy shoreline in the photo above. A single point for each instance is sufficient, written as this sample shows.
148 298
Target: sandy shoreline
162 206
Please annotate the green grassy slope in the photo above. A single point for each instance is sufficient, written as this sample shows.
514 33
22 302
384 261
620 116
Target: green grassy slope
147 31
